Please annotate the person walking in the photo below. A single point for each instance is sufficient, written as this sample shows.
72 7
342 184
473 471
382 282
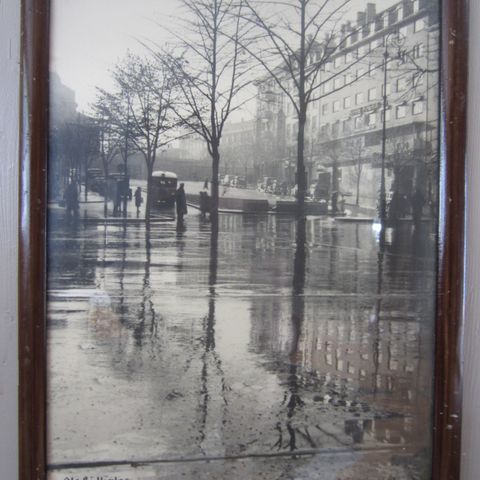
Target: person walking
138 198
181 203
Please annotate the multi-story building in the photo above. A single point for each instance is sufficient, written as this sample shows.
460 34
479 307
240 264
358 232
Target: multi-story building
349 124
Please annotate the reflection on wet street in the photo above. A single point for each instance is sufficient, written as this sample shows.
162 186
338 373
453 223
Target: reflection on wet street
272 348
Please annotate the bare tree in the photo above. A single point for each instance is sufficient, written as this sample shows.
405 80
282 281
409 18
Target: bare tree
109 139
296 47
211 70
147 121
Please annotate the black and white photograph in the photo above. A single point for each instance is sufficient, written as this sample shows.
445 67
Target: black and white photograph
242 241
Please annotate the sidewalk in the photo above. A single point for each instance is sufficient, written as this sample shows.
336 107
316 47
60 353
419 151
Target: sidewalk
93 211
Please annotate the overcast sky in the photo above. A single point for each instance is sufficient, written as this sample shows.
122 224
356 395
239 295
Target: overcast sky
89 36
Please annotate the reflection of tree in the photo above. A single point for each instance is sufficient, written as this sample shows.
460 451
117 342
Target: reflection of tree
147 308
209 342
292 399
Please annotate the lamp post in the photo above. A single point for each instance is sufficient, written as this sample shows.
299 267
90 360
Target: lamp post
396 41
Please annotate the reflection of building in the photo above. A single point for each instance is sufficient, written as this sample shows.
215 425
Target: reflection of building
344 125
360 348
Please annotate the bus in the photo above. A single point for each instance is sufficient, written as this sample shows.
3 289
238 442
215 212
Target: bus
164 186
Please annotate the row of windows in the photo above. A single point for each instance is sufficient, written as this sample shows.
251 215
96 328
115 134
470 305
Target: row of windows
372 94
366 120
417 52
363 50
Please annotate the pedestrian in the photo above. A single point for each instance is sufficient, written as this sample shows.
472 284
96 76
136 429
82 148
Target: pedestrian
138 199
205 185
181 203
71 199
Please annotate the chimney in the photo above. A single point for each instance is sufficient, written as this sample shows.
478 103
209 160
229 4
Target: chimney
371 12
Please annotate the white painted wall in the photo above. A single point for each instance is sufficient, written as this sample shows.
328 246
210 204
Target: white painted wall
9 92
9 78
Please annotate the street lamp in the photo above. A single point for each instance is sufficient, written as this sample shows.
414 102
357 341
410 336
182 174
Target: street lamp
397 41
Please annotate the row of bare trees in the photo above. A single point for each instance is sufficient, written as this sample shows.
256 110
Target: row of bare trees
196 86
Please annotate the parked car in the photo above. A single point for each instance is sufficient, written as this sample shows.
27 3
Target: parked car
241 182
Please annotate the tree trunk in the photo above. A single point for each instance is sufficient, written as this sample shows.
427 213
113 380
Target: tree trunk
148 203
301 173
105 191
215 194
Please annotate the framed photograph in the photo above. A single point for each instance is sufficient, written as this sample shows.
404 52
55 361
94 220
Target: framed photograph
242 239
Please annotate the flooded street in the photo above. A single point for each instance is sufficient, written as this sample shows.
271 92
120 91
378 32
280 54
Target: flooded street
239 355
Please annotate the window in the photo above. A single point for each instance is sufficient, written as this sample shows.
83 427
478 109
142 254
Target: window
346 126
418 50
388 115
324 108
392 16
328 67
338 61
389 89
338 83
372 94
417 107
385 20
327 87
347 102
348 57
335 129
371 119
349 78
363 50
358 122
419 25
401 111
372 70
366 30
336 105
359 97
400 12
360 72
401 84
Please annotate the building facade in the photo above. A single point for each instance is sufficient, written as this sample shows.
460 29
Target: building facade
350 126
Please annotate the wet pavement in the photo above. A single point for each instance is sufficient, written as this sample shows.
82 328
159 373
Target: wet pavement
239 355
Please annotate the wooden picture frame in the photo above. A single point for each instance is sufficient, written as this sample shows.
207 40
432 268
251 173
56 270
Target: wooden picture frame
32 268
